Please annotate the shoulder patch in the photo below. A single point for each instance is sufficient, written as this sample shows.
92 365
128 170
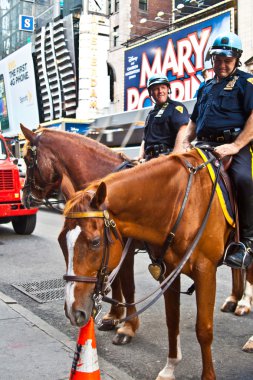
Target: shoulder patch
250 80
179 109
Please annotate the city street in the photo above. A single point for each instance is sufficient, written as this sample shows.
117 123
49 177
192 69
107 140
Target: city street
38 258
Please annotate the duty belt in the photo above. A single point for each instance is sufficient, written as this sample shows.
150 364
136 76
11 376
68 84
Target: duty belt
226 136
155 150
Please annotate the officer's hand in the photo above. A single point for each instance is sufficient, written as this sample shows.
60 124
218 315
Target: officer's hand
226 150
187 146
140 160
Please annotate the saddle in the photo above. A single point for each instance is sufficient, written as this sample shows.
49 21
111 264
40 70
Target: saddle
226 162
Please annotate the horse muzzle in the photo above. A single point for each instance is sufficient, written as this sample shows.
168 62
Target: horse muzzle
78 306
77 318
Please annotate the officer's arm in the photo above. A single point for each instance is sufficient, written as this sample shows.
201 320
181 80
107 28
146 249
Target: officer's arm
141 151
189 135
242 140
246 136
179 139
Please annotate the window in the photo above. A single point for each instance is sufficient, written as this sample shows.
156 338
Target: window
143 5
111 74
3 153
115 36
116 6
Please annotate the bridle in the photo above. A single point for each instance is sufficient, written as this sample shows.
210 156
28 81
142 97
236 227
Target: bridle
30 183
101 280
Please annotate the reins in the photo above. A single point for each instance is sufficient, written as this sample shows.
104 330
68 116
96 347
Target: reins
165 284
102 278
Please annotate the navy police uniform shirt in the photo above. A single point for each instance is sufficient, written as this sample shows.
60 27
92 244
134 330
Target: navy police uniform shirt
224 105
163 122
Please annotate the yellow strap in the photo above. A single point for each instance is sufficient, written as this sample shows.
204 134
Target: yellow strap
85 214
218 189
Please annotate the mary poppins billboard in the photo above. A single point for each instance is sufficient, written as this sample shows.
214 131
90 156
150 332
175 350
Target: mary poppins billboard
181 55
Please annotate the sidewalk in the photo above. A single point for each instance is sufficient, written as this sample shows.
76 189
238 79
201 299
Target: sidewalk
32 349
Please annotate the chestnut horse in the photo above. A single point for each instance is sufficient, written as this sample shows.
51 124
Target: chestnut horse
62 157
145 203
56 158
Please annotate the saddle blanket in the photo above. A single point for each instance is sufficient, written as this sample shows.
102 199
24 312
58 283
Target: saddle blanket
221 190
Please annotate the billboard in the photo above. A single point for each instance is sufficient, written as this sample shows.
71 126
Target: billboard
185 8
18 85
181 55
4 119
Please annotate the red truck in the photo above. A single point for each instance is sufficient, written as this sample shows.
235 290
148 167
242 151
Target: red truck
11 207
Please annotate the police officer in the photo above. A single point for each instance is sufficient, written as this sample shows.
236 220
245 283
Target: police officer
165 122
223 117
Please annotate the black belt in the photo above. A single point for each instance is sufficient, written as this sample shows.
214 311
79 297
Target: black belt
155 150
226 136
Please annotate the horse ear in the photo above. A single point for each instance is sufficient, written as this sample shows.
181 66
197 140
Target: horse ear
29 135
67 187
99 196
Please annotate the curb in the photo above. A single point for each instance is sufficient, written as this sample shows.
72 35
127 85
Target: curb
110 372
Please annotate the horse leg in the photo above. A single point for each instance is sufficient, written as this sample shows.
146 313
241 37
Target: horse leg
244 305
127 331
205 283
172 309
230 303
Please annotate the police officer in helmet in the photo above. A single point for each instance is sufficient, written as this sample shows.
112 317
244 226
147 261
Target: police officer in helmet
165 122
223 117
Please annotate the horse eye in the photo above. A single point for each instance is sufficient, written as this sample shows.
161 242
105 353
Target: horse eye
95 243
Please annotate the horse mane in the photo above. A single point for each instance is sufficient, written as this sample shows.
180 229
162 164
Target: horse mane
89 142
75 203
25 147
136 172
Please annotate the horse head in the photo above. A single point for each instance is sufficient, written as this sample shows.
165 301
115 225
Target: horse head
41 177
85 241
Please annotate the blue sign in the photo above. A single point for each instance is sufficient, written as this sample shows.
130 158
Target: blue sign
26 23
181 55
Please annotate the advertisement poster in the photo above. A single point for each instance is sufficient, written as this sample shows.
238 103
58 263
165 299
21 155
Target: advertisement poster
17 81
180 55
4 120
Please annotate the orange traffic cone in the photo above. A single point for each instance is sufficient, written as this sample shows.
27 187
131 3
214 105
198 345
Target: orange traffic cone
85 363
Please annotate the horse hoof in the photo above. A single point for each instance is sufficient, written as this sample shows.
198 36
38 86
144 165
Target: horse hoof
248 347
242 310
106 327
121 339
228 307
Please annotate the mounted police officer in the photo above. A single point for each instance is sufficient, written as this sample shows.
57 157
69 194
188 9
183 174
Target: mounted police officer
165 122
223 117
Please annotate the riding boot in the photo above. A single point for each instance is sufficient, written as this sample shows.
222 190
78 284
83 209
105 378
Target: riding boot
239 255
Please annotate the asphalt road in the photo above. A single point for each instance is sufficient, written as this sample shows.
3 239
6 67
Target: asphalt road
38 258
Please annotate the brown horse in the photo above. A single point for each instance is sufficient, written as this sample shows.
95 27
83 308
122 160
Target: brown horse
57 158
144 203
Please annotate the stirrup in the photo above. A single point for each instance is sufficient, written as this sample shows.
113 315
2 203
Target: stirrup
234 248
